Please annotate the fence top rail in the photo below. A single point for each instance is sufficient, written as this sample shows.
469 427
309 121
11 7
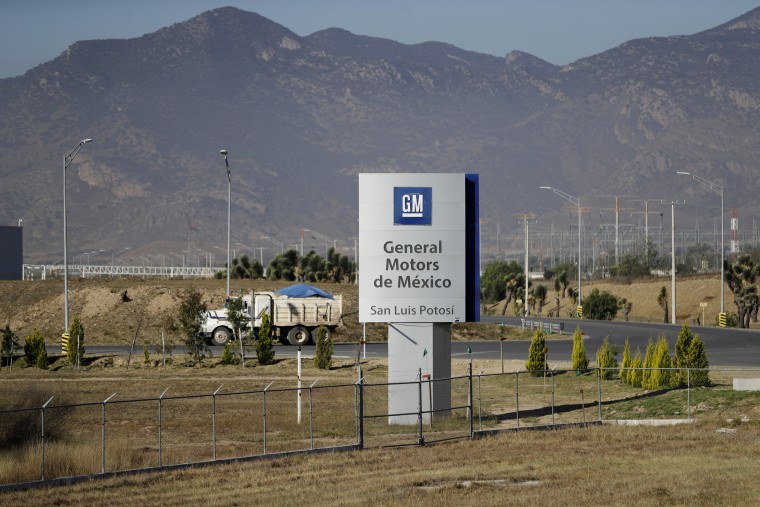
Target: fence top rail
163 397
415 382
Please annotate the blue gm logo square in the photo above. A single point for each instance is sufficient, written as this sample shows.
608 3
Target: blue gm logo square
412 205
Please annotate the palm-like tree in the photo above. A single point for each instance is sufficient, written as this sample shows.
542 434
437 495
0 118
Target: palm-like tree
740 277
662 300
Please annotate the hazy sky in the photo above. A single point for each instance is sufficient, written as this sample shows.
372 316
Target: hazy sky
559 31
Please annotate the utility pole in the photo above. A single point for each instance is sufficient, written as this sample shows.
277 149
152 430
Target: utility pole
646 214
617 209
526 218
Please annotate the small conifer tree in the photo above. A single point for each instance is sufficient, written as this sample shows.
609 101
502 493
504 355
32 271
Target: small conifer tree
34 349
324 352
580 360
660 376
636 365
697 358
228 356
192 312
648 362
605 360
8 345
683 344
536 363
625 366
76 331
264 346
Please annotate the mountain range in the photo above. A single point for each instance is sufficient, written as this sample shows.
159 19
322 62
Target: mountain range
302 116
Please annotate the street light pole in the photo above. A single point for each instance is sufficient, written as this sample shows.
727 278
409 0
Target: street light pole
711 185
673 257
576 201
229 193
66 161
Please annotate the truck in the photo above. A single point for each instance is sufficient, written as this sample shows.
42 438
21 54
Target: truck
295 314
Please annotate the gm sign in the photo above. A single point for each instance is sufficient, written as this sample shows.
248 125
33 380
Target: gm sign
412 205
414 268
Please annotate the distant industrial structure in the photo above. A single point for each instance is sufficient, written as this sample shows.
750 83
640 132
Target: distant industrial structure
11 252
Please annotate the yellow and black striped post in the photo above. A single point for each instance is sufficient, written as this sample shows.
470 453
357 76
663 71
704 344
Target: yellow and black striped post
65 344
579 310
722 319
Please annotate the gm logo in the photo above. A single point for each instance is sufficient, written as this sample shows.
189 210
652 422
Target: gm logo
412 205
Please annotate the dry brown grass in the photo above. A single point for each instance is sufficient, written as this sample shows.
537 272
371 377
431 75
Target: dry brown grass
687 465
592 465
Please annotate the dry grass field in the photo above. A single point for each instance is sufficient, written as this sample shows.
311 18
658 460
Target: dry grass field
710 462
690 465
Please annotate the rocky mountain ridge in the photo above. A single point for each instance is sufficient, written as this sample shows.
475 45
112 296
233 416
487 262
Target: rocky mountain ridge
302 116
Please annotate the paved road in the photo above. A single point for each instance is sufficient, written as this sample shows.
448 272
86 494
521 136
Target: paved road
725 346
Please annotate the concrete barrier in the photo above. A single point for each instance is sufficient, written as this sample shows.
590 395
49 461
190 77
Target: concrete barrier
747 384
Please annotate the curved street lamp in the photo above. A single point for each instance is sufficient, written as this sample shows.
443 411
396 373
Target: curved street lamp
66 161
711 185
229 192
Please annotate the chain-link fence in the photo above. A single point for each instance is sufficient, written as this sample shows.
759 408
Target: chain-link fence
114 436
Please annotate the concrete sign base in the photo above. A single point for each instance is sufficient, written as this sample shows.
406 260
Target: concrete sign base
414 349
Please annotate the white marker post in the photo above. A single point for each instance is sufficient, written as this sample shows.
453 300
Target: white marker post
299 385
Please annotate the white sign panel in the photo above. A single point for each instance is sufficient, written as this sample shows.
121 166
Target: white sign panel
412 247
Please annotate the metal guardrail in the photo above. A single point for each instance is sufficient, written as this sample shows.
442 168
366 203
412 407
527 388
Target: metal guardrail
549 327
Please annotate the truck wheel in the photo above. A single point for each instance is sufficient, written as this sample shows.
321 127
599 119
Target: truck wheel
220 336
315 331
299 335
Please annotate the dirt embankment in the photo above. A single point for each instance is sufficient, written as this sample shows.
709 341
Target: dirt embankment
152 304
110 318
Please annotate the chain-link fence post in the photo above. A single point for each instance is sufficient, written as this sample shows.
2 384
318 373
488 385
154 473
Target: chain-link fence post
553 394
311 412
480 405
103 435
160 430
360 410
599 392
42 437
213 418
517 397
688 391
265 416
420 436
470 400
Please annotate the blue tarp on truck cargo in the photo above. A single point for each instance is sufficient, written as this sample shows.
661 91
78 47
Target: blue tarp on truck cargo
303 290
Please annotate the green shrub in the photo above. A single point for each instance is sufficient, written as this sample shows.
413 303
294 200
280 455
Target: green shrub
580 360
600 305
536 363
264 346
661 376
228 356
192 312
635 375
625 366
697 358
683 343
324 352
34 349
646 374
605 360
